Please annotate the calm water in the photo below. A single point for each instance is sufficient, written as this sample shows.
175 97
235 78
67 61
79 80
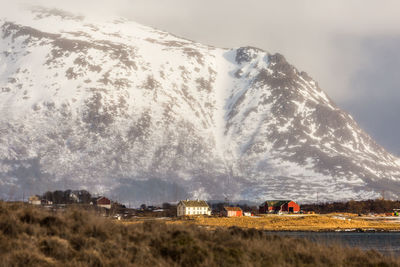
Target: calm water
387 243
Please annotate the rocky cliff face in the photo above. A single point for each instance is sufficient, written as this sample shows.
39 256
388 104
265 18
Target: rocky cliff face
142 115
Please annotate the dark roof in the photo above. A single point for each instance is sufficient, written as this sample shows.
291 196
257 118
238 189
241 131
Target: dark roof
232 209
194 203
276 203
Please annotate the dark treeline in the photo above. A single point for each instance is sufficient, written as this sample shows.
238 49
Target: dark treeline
361 207
68 196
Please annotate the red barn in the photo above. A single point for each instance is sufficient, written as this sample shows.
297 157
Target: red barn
103 202
232 212
276 206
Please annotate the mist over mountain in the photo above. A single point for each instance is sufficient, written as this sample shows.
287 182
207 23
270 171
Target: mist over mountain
144 116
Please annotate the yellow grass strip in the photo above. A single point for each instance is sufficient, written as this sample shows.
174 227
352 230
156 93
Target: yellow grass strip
294 223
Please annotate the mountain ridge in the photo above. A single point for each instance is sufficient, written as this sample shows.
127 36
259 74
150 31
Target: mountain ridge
126 109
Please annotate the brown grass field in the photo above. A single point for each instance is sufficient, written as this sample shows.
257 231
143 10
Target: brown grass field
32 236
329 222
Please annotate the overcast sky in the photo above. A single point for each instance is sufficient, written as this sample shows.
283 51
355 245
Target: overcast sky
350 47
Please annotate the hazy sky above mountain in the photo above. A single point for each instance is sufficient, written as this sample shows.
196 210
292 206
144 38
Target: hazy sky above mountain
349 46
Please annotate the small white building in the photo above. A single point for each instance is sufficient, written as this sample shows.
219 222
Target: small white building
46 202
193 207
34 200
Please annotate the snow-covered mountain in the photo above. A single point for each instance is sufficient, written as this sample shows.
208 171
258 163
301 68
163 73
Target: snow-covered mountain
142 115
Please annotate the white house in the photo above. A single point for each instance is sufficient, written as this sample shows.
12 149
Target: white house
34 200
193 207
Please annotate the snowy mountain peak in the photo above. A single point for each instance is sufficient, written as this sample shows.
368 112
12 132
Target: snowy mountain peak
123 109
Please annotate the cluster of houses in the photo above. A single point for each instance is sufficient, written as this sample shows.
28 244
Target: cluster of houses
184 207
200 207
101 202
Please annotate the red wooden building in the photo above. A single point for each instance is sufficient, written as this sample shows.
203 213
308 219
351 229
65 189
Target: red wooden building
103 202
232 212
277 206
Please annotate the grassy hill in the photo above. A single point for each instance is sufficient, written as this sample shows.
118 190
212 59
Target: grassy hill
31 236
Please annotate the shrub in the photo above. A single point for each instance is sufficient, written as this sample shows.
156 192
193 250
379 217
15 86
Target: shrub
56 247
26 258
9 227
